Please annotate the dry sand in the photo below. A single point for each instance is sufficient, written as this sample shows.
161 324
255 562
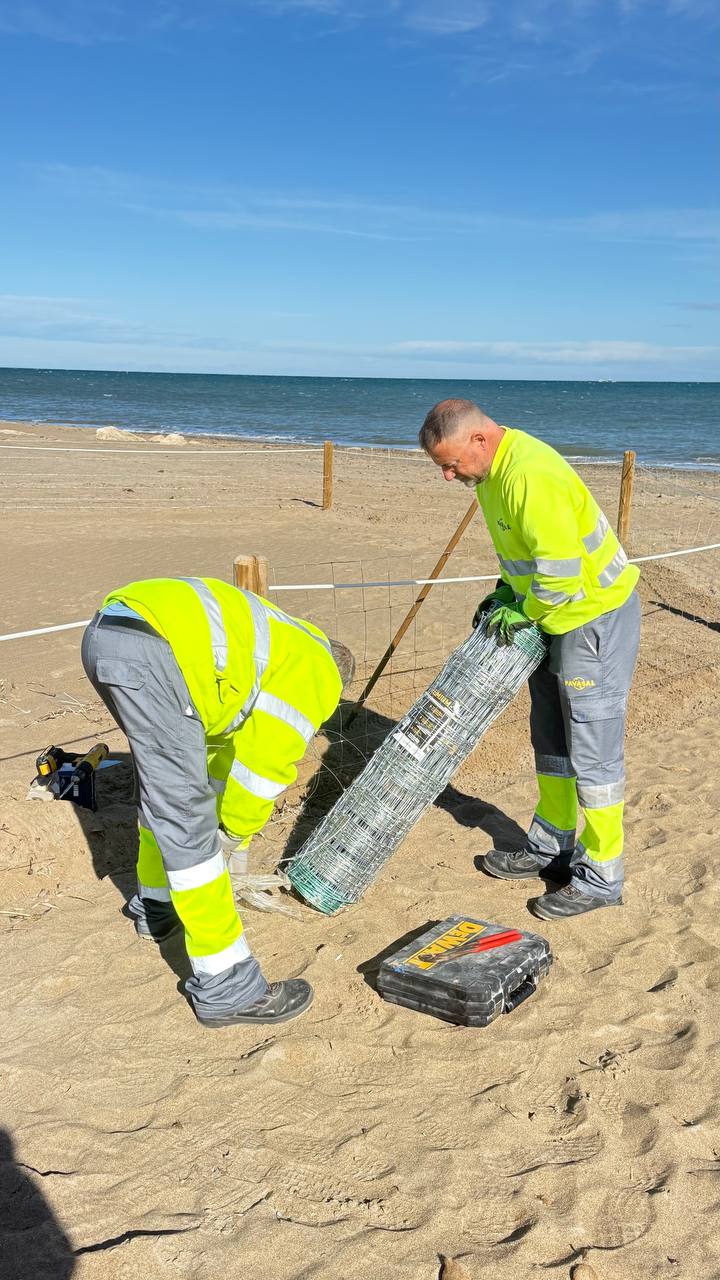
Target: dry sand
577 1135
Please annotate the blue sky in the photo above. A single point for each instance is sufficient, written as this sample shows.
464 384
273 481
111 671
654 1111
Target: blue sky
474 188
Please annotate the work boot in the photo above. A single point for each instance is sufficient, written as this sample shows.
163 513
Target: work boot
154 921
524 864
282 1001
567 902
157 930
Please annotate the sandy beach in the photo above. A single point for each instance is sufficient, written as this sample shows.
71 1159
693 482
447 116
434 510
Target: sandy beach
365 1140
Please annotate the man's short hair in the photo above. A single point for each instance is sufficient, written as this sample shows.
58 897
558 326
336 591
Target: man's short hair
443 421
344 661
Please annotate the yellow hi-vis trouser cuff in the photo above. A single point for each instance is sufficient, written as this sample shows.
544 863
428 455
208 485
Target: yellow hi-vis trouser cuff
557 803
602 837
209 916
208 913
150 869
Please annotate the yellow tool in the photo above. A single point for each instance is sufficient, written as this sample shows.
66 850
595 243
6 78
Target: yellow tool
49 761
70 774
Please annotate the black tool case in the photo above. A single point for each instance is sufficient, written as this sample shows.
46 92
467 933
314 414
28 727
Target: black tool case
465 970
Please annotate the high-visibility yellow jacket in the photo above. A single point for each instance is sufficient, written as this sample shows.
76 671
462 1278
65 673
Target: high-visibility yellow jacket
261 682
556 548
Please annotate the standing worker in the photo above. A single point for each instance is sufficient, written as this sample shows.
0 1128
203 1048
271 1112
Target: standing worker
561 567
219 694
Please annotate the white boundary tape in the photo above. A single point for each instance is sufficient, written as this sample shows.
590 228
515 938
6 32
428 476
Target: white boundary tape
343 586
177 451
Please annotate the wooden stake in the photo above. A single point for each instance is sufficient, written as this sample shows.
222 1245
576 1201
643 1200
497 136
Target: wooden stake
626 490
424 593
250 573
327 475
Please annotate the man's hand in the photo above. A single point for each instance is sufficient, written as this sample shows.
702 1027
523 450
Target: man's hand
505 621
502 594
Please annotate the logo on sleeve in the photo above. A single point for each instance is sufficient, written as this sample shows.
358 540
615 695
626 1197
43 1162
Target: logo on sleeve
504 526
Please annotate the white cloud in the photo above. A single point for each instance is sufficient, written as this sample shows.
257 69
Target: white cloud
88 22
219 206
411 358
56 318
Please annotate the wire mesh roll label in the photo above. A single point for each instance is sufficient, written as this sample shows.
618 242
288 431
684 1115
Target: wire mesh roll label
432 718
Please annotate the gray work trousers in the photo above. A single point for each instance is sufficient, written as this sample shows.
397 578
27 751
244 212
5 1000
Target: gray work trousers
138 679
577 726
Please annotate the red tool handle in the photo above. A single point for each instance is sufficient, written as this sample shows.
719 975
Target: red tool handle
498 940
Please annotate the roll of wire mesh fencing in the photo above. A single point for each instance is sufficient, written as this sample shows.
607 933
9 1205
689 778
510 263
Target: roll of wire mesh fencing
411 767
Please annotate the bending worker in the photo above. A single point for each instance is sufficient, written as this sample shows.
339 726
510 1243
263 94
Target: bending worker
561 567
219 694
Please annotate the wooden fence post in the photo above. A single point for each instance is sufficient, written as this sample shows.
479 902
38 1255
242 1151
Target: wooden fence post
250 573
626 490
327 475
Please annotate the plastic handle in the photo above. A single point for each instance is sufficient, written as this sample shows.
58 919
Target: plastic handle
521 993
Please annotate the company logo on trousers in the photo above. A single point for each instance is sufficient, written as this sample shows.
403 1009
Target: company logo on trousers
577 683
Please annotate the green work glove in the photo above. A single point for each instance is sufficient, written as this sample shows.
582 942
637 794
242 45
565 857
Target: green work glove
505 621
503 594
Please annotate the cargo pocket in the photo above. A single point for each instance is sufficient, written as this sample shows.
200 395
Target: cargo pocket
595 730
118 673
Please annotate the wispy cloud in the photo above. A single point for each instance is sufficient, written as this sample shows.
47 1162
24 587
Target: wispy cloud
549 355
530 22
77 333
79 319
219 207
699 306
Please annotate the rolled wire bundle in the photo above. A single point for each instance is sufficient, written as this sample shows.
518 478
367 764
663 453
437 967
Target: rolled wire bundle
411 767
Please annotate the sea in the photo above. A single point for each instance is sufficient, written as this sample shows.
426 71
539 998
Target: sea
667 423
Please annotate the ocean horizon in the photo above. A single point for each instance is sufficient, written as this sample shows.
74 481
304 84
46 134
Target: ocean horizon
666 423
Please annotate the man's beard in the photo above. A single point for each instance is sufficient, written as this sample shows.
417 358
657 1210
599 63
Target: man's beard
469 481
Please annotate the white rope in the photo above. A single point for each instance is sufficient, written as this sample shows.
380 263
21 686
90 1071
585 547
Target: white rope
342 586
665 555
177 451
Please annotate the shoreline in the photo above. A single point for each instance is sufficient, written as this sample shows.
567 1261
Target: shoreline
10 426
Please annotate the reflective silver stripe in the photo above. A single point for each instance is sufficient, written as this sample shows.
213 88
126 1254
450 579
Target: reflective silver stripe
569 568
614 569
195 877
611 869
293 622
261 648
283 711
548 839
602 796
261 657
221 960
554 766
255 783
149 891
548 596
559 568
520 568
213 613
595 539
217 784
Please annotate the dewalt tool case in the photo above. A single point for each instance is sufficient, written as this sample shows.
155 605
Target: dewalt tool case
465 970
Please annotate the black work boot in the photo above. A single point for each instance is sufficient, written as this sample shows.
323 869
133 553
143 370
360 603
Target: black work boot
282 1001
158 923
524 864
567 902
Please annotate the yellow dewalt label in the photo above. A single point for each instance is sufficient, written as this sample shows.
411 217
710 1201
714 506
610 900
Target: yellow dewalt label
577 683
461 932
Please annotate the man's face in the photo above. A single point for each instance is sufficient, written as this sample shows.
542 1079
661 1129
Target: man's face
464 457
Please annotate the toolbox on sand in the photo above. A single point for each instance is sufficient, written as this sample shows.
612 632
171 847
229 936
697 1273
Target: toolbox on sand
465 970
